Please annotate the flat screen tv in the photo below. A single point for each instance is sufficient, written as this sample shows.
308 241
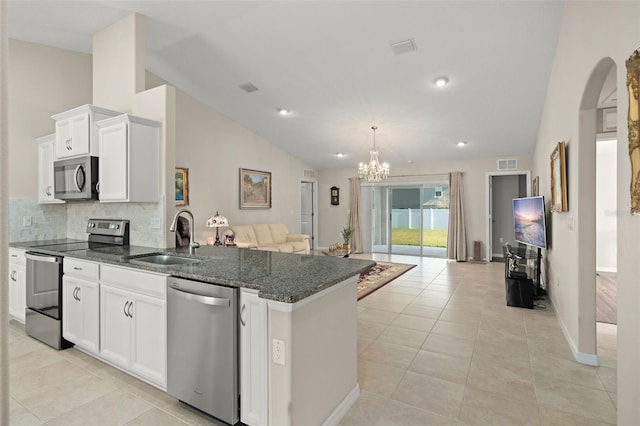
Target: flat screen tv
529 221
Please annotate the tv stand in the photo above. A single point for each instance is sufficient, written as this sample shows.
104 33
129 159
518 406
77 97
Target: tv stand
522 289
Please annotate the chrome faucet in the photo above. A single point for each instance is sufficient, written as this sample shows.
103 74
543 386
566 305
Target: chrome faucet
193 244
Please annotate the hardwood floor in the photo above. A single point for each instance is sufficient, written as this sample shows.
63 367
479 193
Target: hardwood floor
606 291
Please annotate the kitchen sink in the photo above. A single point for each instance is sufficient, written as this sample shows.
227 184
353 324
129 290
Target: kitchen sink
164 260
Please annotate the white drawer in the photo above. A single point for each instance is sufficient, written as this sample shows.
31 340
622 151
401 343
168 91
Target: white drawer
81 269
148 283
16 257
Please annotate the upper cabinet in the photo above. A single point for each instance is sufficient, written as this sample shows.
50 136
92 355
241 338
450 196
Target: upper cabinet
46 154
129 165
76 130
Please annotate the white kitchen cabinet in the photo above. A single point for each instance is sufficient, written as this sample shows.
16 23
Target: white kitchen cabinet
129 168
17 284
133 318
254 357
81 304
76 130
46 156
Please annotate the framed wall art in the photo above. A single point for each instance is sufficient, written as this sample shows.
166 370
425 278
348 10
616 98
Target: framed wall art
559 201
255 189
182 186
633 84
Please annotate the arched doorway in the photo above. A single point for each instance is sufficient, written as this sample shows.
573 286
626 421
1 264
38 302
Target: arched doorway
590 125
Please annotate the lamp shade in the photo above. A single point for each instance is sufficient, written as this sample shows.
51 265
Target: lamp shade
217 221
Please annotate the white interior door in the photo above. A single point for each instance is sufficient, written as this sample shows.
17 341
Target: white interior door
306 211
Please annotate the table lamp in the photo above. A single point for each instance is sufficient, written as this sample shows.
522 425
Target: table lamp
217 222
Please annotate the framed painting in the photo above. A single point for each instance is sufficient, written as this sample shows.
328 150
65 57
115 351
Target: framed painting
535 191
255 189
182 186
559 201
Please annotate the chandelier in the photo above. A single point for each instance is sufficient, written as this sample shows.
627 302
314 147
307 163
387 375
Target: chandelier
373 171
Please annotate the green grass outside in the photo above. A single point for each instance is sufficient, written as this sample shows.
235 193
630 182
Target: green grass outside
411 237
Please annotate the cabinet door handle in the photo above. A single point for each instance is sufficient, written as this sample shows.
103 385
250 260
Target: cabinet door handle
13 276
48 190
129 310
75 268
74 293
98 187
242 321
68 144
78 294
125 309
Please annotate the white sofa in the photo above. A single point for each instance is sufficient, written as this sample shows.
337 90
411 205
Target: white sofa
271 237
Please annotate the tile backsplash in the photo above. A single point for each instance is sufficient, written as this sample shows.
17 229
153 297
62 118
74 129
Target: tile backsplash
29 220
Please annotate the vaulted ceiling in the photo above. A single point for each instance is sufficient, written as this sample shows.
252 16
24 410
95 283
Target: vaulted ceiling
331 63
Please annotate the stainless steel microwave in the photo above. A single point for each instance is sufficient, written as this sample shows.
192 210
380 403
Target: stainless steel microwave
75 179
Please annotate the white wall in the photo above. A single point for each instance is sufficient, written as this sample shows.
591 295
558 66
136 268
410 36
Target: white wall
606 206
333 218
214 148
592 31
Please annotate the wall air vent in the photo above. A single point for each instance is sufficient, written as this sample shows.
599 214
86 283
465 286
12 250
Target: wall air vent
509 164
248 87
404 46
309 174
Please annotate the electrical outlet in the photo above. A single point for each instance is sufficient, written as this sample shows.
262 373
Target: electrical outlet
26 220
278 351
501 240
154 222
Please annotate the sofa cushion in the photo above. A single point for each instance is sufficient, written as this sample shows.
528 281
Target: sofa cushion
278 232
263 234
299 246
244 234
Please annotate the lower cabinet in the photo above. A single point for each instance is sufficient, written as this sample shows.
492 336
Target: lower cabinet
133 324
80 313
254 359
17 284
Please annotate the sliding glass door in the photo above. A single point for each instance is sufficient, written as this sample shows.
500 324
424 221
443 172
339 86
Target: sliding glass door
411 220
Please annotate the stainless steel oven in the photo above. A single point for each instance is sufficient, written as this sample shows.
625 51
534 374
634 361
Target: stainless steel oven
76 178
44 299
44 276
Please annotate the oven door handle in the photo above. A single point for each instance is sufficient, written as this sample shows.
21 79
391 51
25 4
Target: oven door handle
43 258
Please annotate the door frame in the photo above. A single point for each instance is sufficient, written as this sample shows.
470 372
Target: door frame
313 239
488 203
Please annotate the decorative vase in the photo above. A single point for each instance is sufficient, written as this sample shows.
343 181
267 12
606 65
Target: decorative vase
345 247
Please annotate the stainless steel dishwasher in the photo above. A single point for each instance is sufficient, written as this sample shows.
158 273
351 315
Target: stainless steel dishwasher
202 347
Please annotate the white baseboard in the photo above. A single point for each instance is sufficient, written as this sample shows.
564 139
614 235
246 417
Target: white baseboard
345 405
582 358
606 269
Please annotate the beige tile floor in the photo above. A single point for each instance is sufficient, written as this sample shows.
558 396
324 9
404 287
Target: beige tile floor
436 346
439 346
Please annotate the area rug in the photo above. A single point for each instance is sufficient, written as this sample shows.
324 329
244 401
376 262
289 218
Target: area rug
381 274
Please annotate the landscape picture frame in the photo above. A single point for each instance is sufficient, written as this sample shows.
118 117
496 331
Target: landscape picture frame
633 120
255 189
559 202
182 186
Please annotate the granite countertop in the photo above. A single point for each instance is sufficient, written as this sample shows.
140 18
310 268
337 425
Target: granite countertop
277 276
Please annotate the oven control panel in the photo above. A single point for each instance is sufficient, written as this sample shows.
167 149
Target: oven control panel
112 227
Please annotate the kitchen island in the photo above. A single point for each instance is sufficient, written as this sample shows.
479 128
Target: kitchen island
306 304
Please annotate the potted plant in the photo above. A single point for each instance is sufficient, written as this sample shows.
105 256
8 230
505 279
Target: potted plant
346 236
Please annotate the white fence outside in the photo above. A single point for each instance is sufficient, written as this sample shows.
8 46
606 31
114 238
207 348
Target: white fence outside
410 218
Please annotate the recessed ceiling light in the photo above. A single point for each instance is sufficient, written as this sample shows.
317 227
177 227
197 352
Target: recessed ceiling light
441 81
283 111
462 143
339 154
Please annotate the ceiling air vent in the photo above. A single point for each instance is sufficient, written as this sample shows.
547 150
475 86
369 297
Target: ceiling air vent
509 164
248 87
310 174
404 46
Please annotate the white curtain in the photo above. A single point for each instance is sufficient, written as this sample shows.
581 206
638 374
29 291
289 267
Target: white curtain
354 215
457 237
